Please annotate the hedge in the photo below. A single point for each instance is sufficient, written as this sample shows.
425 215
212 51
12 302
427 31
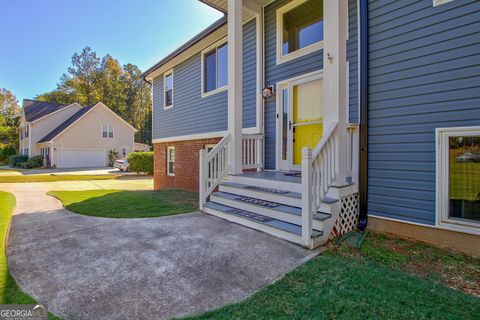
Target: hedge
140 162
16 159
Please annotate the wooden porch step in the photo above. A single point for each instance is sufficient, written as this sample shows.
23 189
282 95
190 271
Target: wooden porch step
285 230
281 212
290 198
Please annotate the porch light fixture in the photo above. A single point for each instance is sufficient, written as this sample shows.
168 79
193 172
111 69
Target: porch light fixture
268 91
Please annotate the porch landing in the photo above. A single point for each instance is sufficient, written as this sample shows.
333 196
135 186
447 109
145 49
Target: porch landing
271 175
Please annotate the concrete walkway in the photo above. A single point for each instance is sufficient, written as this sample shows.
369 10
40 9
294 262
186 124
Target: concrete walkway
7 171
97 268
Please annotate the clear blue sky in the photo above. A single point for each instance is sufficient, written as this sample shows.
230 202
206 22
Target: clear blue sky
39 36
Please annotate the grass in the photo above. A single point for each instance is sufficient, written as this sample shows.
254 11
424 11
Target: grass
10 293
377 282
53 178
128 204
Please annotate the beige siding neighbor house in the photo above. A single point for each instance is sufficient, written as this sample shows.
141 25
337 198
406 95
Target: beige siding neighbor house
69 136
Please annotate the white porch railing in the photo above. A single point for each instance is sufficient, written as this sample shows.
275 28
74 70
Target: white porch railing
213 168
252 151
318 173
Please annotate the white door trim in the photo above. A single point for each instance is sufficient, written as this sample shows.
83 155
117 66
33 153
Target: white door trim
288 84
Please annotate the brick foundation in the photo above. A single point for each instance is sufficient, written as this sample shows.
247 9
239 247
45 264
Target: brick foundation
186 164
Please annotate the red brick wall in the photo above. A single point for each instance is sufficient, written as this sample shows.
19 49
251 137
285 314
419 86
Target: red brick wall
186 164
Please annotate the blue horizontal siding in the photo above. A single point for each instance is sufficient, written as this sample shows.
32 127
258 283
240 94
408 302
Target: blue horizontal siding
352 58
193 114
275 73
424 74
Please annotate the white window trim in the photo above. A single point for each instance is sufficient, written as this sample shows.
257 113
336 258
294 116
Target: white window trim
214 45
101 131
440 2
171 174
442 180
166 74
281 58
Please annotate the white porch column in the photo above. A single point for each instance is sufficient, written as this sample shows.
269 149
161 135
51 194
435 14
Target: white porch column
335 81
235 76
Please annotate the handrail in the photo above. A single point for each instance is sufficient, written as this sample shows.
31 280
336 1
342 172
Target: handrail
319 147
319 168
213 167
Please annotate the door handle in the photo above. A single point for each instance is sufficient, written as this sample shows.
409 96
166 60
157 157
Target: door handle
290 125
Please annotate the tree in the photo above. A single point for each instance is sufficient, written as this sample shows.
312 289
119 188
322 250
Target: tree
91 79
9 106
9 118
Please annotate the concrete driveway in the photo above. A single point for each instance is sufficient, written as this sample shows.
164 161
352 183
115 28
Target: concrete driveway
158 268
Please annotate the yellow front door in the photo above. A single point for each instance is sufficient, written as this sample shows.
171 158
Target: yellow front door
307 119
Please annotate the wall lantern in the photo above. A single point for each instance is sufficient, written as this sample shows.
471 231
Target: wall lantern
268 91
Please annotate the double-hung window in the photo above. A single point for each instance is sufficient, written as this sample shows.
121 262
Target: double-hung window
168 89
171 161
299 29
458 178
107 131
214 68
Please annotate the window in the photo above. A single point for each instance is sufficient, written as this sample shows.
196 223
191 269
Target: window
107 131
214 68
26 131
171 161
299 29
458 178
168 89
21 133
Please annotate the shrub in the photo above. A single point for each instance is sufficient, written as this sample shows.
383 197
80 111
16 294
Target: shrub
140 162
35 162
7 151
112 156
14 160
23 165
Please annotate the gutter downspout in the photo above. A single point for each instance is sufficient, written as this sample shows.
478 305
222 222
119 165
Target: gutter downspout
363 179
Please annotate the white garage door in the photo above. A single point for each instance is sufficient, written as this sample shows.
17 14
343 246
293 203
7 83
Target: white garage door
75 158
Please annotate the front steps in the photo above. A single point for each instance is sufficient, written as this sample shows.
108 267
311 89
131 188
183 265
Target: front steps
271 202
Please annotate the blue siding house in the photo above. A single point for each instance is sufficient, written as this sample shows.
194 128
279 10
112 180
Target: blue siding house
306 119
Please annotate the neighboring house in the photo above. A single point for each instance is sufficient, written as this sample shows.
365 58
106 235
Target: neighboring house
344 108
140 147
70 136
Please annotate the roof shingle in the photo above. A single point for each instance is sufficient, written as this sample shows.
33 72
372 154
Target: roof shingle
35 110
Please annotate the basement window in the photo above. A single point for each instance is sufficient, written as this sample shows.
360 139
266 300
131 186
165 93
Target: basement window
299 29
170 161
458 178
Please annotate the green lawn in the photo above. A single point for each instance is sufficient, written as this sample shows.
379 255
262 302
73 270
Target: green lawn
53 178
377 282
10 293
128 204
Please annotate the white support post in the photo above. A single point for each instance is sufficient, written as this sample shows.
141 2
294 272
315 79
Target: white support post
335 79
202 188
307 201
235 86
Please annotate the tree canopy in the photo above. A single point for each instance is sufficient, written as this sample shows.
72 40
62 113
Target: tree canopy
91 79
9 118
